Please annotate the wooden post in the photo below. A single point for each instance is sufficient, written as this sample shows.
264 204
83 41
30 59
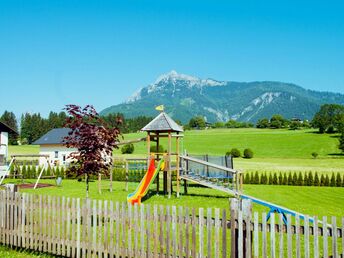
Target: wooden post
99 183
126 175
111 171
178 165
169 176
244 241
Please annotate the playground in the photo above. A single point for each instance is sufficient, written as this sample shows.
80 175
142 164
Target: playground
175 185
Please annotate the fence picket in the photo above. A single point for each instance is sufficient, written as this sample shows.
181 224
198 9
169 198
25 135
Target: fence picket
240 235
155 230
272 236
193 252
209 231
180 231
316 238
255 236
217 232
200 231
281 242
334 237
306 236
264 235
297 236
289 237
62 226
111 241
224 233
325 245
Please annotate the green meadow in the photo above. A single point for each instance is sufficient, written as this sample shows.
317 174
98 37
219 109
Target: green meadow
274 150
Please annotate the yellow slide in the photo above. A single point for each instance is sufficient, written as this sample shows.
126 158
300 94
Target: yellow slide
146 181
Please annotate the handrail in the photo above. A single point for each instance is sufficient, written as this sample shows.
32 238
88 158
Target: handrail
209 164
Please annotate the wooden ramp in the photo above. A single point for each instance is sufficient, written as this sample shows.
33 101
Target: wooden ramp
210 184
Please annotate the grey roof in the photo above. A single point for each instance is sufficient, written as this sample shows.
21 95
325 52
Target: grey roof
54 136
162 123
5 128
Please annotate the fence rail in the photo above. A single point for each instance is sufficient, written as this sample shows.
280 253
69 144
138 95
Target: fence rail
76 227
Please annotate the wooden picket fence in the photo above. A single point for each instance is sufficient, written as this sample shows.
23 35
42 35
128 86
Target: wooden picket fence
74 227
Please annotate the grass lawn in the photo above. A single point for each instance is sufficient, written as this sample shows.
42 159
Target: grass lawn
7 252
320 201
276 150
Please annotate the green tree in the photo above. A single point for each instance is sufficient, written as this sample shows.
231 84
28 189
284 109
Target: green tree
275 179
329 115
341 142
338 180
290 179
316 179
327 181
256 178
285 179
263 123
310 179
277 121
333 180
294 179
300 179
280 178
197 122
10 119
271 180
322 180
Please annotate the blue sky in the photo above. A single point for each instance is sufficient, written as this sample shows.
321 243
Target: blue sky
58 52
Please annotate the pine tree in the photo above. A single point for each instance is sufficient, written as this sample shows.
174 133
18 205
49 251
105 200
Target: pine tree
280 179
333 180
300 179
322 180
10 119
310 179
275 179
290 179
327 181
256 178
270 182
294 179
338 180
316 179
285 179
305 179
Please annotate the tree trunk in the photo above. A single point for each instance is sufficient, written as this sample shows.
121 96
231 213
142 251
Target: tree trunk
87 186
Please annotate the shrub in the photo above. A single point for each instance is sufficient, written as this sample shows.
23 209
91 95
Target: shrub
247 179
310 179
234 152
155 149
256 178
300 179
327 181
270 182
285 179
314 155
248 154
333 180
338 180
128 148
294 182
280 179
316 179
322 180
263 179
275 179
290 179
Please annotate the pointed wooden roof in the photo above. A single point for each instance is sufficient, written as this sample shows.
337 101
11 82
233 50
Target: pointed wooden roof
162 123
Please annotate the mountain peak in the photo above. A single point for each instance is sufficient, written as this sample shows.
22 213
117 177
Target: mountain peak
174 76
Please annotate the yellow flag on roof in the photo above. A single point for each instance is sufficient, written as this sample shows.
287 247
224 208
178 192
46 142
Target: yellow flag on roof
160 108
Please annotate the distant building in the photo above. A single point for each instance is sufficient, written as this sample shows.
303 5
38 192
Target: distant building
4 131
52 144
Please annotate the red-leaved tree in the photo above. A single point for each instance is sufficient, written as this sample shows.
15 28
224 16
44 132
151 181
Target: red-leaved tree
93 138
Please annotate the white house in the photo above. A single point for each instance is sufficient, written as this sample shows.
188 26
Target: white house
52 144
4 131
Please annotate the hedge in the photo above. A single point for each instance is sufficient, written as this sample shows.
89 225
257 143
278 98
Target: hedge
294 178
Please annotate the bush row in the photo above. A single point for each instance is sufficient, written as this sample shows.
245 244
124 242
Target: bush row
295 179
32 171
236 153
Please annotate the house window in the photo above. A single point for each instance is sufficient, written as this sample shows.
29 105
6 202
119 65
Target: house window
56 154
